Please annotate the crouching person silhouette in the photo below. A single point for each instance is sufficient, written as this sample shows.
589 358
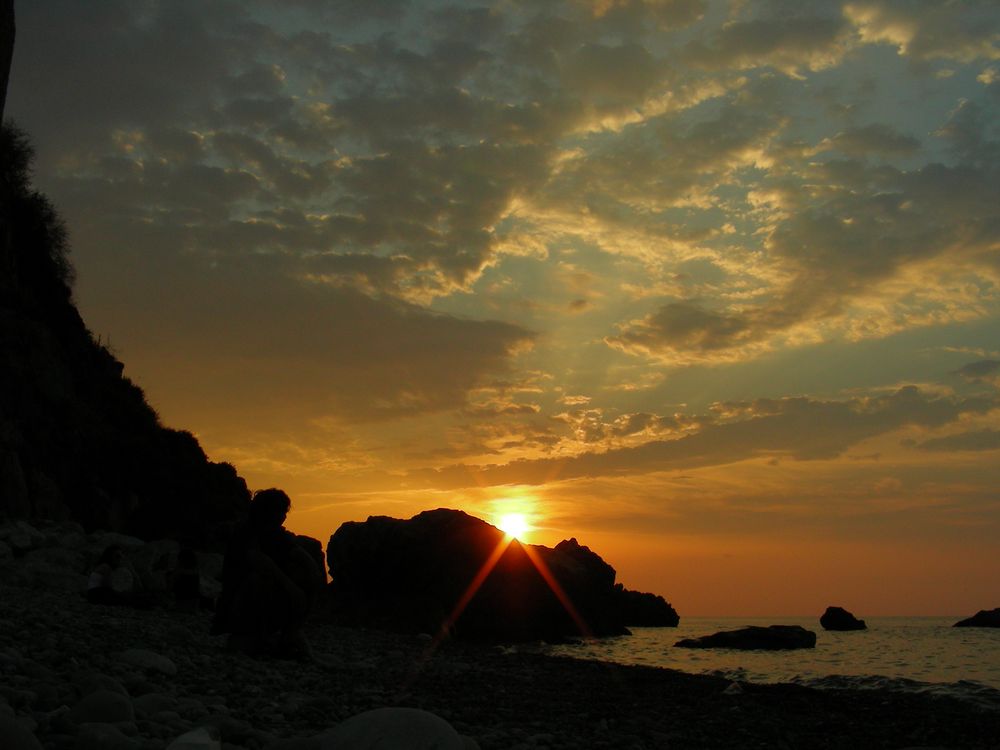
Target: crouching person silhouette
268 583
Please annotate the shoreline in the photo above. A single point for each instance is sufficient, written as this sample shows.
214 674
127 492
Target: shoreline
54 647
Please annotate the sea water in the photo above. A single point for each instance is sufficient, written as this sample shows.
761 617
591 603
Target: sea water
922 654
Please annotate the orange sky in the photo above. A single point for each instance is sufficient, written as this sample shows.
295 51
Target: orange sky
710 285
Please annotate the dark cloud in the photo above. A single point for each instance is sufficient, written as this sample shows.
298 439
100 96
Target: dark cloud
981 440
785 43
981 370
877 138
684 326
964 31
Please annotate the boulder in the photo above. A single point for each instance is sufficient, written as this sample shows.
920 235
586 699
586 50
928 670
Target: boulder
771 638
15 736
838 618
148 660
446 571
984 618
105 706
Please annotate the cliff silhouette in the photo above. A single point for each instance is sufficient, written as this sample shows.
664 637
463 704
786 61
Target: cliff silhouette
78 441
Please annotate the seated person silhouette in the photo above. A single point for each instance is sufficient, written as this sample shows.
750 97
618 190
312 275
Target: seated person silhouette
113 581
268 583
186 582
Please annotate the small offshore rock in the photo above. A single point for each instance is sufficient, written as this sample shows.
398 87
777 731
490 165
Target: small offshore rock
838 618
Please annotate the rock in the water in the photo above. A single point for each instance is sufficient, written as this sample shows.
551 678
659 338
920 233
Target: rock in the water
984 618
446 570
838 618
771 638
396 729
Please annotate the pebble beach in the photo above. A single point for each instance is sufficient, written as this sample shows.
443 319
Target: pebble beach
78 675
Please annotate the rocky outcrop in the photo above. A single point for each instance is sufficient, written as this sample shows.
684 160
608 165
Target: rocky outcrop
838 618
77 439
446 571
771 638
984 618
59 556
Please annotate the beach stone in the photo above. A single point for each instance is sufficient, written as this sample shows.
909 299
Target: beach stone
22 536
103 706
89 682
771 638
148 660
153 703
103 736
392 728
982 619
838 618
16 736
101 540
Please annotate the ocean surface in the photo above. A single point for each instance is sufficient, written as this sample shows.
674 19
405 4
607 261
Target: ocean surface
924 654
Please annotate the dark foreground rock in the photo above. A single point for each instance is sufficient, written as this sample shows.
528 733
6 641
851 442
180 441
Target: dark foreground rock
771 638
444 570
72 683
984 618
838 618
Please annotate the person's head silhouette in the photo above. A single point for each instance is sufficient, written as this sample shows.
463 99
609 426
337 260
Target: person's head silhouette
268 508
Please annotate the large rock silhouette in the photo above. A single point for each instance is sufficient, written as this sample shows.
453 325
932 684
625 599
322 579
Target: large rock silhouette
420 575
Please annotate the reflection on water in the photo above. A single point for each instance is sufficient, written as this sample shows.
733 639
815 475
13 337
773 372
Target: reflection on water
922 649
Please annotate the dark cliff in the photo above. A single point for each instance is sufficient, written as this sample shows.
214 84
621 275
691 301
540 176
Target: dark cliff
77 439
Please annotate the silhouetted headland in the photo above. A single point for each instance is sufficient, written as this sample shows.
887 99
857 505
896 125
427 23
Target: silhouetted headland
78 441
984 618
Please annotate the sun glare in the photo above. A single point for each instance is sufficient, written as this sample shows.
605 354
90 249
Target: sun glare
513 524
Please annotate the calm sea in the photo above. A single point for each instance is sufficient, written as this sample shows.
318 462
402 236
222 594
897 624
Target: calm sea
902 653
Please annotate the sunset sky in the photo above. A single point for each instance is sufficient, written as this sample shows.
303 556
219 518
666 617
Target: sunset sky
713 287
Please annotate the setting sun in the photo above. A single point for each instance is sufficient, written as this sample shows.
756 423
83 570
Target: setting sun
513 524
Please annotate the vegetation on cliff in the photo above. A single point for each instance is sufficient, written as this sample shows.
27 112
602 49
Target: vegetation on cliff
78 439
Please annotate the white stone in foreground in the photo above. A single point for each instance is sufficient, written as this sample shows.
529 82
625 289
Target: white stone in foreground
396 729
